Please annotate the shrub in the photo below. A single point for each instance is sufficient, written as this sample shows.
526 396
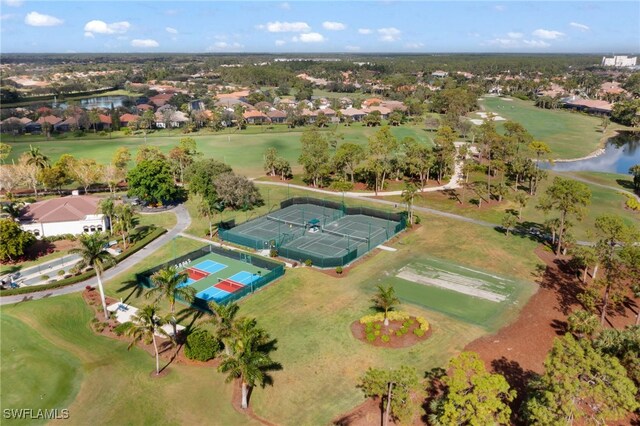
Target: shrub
30 200
385 338
583 323
399 333
201 346
308 262
424 324
61 273
379 317
99 327
632 203
273 252
418 332
339 270
121 329
416 219
126 131
78 133
371 337
44 277
368 327
377 326
404 330
377 332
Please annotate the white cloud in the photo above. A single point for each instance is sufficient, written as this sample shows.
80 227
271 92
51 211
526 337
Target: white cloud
547 34
101 27
285 6
286 27
389 34
352 48
13 3
333 26
309 38
503 42
89 35
145 43
417 45
223 45
36 19
280 42
364 31
582 27
536 43
171 30
499 8
514 35
7 16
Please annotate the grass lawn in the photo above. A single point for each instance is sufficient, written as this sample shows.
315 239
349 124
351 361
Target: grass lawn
241 150
615 180
165 220
568 134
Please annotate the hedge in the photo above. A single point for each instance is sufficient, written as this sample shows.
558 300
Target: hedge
85 275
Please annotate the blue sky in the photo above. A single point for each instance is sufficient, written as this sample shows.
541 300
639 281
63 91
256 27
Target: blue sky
301 26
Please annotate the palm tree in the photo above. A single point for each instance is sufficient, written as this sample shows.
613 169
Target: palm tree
169 285
410 191
108 209
145 325
93 254
37 158
126 221
386 299
224 322
250 361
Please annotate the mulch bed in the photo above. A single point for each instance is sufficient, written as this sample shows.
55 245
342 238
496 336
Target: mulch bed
236 401
404 341
169 354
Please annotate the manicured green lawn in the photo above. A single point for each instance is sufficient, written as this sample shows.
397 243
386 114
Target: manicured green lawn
165 220
568 134
241 150
615 180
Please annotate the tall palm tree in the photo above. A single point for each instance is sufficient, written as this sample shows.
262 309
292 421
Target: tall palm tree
108 209
145 325
224 322
126 221
93 253
250 361
409 193
37 158
169 285
386 299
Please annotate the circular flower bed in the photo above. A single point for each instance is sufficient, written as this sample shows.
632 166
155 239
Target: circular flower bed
403 330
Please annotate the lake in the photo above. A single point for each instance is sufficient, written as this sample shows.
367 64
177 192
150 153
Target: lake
620 153
98 102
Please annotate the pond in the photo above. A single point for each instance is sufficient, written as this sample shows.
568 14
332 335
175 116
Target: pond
99 102
620 153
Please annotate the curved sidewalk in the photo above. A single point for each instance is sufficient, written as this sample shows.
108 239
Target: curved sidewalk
184 220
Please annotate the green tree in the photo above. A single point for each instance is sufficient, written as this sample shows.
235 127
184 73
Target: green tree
444 151
393 388
314 157
635 171
108 208
94 119
144 327
183 155
583 323
472 396
237 192
15 241
121 158
87 172
522 200
55 177
381 149
570 198
93 254
420 159
152 181
580 384
148 153
385 299
36 158
146 121
5 150
408 194
347 158
250 360
625 346
224 317
509 220
270 156
169 285
541 150
372 119
126 221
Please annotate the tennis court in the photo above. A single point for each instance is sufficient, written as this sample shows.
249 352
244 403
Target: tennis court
221 275
325 232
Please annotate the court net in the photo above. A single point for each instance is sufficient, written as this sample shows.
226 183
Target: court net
286 222
196 274
340 234
228 285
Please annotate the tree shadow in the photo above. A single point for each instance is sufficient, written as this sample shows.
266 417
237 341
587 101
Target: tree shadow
518 378
135 289
562 280
452 194
561 327
626 184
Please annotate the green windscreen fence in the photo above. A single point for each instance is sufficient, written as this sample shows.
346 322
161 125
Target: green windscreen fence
327 233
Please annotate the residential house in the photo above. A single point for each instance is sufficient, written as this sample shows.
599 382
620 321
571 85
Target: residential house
440 74
125 119
161 99
105 122
169 116
277 116
384 111
394 105
371 102
65 215
50 120
144 107
71 123
591 106
354 113
255 117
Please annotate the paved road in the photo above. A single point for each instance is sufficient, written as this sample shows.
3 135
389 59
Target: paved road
184 220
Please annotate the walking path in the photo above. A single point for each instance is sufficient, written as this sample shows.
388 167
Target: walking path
183 222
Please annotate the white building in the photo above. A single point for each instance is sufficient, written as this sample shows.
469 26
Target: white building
76 214
619 61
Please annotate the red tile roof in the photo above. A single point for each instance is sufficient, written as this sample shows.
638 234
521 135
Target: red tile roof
51 119
64 209
105 119
277 114
127 118
254 114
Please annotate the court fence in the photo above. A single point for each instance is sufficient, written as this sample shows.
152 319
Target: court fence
276 270
281 242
